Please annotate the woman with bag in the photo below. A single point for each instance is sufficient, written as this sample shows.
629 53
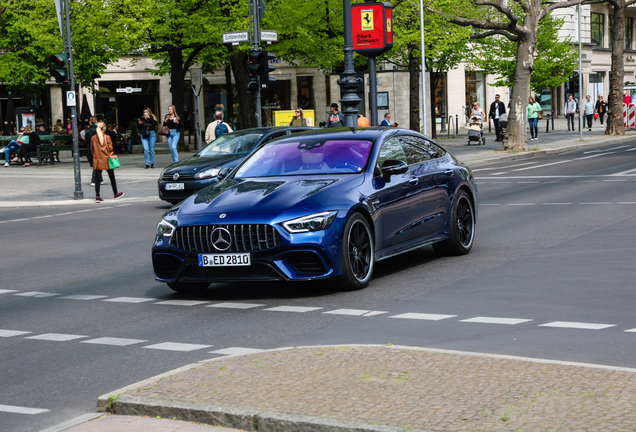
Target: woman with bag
14 147
533 118
147 124
29 145
601 108
102 148
299 118
171 121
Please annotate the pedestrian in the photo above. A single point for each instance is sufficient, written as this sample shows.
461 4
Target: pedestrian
570 110
387 120
171 120
31 145
497 109
627 99
113 135
217 127
363 121
589 111
102 150
86 135
299 118
147 123
13 147
601 108
477 111
69 126
336 119
533 117
58 129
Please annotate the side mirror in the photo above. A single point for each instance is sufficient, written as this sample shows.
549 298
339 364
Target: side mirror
223 173
392 167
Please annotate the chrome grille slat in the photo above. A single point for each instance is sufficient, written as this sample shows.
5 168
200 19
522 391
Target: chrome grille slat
245 238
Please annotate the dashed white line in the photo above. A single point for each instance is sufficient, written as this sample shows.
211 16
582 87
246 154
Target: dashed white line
129 300
36 294
83 297
492 320
482 204
544 165
631 330
175 346
182 302
631 149
421 316
594 155
374 313
577 325
594 203
6 291
619 147
557 203
11 333
22 410
499 173
626 202
236 351
299 309
522 204
229 305
354 312
56 337
114 341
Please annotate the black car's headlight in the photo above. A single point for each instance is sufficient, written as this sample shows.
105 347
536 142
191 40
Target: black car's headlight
314 222
212 172
165 229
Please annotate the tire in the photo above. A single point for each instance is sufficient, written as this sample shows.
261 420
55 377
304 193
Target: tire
461 228
483 140
358 254
184 287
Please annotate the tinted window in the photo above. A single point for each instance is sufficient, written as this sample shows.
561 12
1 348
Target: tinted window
232 143
430 147
414 154
391 150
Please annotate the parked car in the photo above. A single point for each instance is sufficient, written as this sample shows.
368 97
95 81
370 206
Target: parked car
181 179
319 204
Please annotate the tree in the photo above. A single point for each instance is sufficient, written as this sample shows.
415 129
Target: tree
518 21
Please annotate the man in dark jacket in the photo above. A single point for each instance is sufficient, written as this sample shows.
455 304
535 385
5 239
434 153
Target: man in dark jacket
336 119
497 108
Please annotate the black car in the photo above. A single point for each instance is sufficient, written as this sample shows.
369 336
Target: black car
181 179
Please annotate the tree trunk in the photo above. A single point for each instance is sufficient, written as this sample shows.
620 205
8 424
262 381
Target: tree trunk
414 94
177 78
617 72
516 137
247 101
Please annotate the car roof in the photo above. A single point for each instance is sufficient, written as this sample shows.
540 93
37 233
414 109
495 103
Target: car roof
268 129
344 133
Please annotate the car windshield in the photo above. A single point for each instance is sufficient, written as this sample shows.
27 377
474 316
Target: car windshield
307 157
233 143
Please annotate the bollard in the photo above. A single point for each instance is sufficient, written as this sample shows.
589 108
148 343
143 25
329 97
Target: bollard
489 126
456 124
552 119
443 124
547 124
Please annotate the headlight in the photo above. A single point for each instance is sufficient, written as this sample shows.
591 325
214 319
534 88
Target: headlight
212 172
165 229
314 222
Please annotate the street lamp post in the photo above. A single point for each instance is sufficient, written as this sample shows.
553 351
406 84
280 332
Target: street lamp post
349 82
78 194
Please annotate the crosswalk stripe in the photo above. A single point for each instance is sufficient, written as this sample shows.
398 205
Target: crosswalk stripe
175 346
22 410
114 341
6 291
577 325
421 316
374 313
129 300
229 305
299 309
354 312
182 302
35 294
11 333
236 351
492 320
83 297
56 337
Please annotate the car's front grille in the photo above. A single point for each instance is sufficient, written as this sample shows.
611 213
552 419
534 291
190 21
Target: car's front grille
244 238
184 176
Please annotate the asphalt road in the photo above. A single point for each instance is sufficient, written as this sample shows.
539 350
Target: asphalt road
550 276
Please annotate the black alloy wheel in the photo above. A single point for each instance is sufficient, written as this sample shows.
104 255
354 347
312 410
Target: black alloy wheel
357 254
461 227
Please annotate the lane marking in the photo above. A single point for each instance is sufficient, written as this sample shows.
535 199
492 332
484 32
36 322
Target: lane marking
181 302
66 213
36 294
83 297
631 330
594 155
236 351
594 203
11 333
522 204
236 305
353 312
22 410
528 182
506 167
619 147
421 316
492 320
175 346
577 325
631 149
5 291
56 337
556 204
298 309
617 180
481 204
129 300
626 202
586 181
624 172
114 341
374 313
544 165
499 173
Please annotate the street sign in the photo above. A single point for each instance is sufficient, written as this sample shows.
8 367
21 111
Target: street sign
269 36
235 37
71 100
128 90
261 10
372 28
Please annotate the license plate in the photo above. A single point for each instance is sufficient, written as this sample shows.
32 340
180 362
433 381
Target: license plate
224 260
175 186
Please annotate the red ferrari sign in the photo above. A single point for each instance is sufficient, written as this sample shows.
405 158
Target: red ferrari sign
372 27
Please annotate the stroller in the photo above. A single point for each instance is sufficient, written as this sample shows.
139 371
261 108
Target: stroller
476 130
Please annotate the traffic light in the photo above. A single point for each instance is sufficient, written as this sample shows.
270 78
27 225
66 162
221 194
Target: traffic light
266 79
259 69
59 67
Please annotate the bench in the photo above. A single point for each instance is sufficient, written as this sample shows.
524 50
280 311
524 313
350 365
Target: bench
44 150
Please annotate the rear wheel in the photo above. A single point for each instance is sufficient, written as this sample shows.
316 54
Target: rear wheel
461 227
185 287
357 254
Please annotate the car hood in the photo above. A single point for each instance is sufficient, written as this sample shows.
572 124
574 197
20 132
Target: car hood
195 164
274 194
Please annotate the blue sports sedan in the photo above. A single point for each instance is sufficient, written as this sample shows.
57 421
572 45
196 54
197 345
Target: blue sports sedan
319 204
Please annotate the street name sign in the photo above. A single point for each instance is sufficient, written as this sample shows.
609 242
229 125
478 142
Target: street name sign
235 37
269 36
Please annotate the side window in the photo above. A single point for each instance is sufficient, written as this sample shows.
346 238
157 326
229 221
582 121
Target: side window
430 147
391 149
414 154
274 136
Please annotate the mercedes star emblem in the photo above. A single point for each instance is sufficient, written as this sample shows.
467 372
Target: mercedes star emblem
222 215
175 176
221 239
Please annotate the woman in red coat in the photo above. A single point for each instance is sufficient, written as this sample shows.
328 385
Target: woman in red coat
102 149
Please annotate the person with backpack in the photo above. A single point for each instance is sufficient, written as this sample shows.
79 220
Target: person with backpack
217 128
171 120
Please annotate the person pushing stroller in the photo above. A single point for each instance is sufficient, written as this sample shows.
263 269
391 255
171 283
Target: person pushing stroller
476 129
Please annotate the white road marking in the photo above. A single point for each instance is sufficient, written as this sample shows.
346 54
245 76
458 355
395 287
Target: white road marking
594 203
586 181
5 291
626 202
544 165
114 341
631 330
506 167
527 182
421 316
83 297
615 180
492 320
556 204
624 172
374 313
499 173
619 147
354 312
236 351
592 151
631 149
175 346
522 204
577 325
21 410
56 337
482 204
182 302
299 309
236 305
36 294
11 333
129 300
594 155
19 220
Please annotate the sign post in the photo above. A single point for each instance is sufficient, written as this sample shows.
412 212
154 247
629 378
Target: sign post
196 81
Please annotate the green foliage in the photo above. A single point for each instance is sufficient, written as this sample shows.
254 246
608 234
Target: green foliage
555 61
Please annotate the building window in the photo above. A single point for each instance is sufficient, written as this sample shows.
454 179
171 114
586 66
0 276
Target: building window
596 85
475 91
598 28
629 32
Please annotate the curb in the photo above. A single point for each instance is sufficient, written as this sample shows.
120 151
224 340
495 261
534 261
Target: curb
85 201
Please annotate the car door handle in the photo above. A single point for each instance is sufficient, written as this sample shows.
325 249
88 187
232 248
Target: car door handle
448 172
413 180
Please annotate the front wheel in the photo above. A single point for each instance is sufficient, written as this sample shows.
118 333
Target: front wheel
357 254
184 287
461 227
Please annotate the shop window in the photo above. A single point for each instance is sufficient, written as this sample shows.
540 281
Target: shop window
305 89
597 28
596 85
475 91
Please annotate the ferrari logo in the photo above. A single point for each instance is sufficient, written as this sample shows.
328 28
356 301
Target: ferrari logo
367 19
388 25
